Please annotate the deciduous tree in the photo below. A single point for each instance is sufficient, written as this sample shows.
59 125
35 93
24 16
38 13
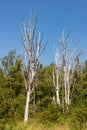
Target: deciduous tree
34 50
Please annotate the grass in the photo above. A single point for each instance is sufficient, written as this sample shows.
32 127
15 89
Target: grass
36 125
40 126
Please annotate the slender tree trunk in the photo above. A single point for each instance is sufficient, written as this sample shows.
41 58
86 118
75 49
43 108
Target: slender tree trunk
68 85
66 82
56 86
68 96
33 51
57 97
57 91
65 74
65 94
27 107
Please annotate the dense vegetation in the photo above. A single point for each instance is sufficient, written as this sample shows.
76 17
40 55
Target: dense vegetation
43 108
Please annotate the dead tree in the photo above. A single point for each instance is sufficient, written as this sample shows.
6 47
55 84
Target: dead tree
69 58
34 51
56 77
66 69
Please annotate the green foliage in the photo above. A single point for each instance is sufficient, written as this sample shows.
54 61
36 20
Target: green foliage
44 90
42 107
79 103
11 89
19 106
8 61
51 113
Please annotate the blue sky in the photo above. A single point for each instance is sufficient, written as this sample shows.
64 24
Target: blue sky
52 17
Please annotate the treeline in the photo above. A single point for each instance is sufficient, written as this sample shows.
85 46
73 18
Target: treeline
43 106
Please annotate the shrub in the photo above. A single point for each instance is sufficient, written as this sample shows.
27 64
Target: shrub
51 113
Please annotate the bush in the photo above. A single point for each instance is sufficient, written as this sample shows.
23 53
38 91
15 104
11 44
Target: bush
79 118
51 113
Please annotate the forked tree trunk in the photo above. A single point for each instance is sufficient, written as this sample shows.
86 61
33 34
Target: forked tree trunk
68 62
34 51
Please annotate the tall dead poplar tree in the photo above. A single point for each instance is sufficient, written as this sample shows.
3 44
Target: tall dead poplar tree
34 51
56 77
66 57
69 59
64 72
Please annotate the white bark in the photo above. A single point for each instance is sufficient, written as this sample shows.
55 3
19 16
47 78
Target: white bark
57 90
65 84
68 85
57 97
66 68
69 63
56 78
56 86
27 107
33 51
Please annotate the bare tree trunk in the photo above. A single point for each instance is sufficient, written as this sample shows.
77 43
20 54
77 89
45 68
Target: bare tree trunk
57 97
57 91
27 107
68 86
68 62
66 71
34 51
56 77
65 83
